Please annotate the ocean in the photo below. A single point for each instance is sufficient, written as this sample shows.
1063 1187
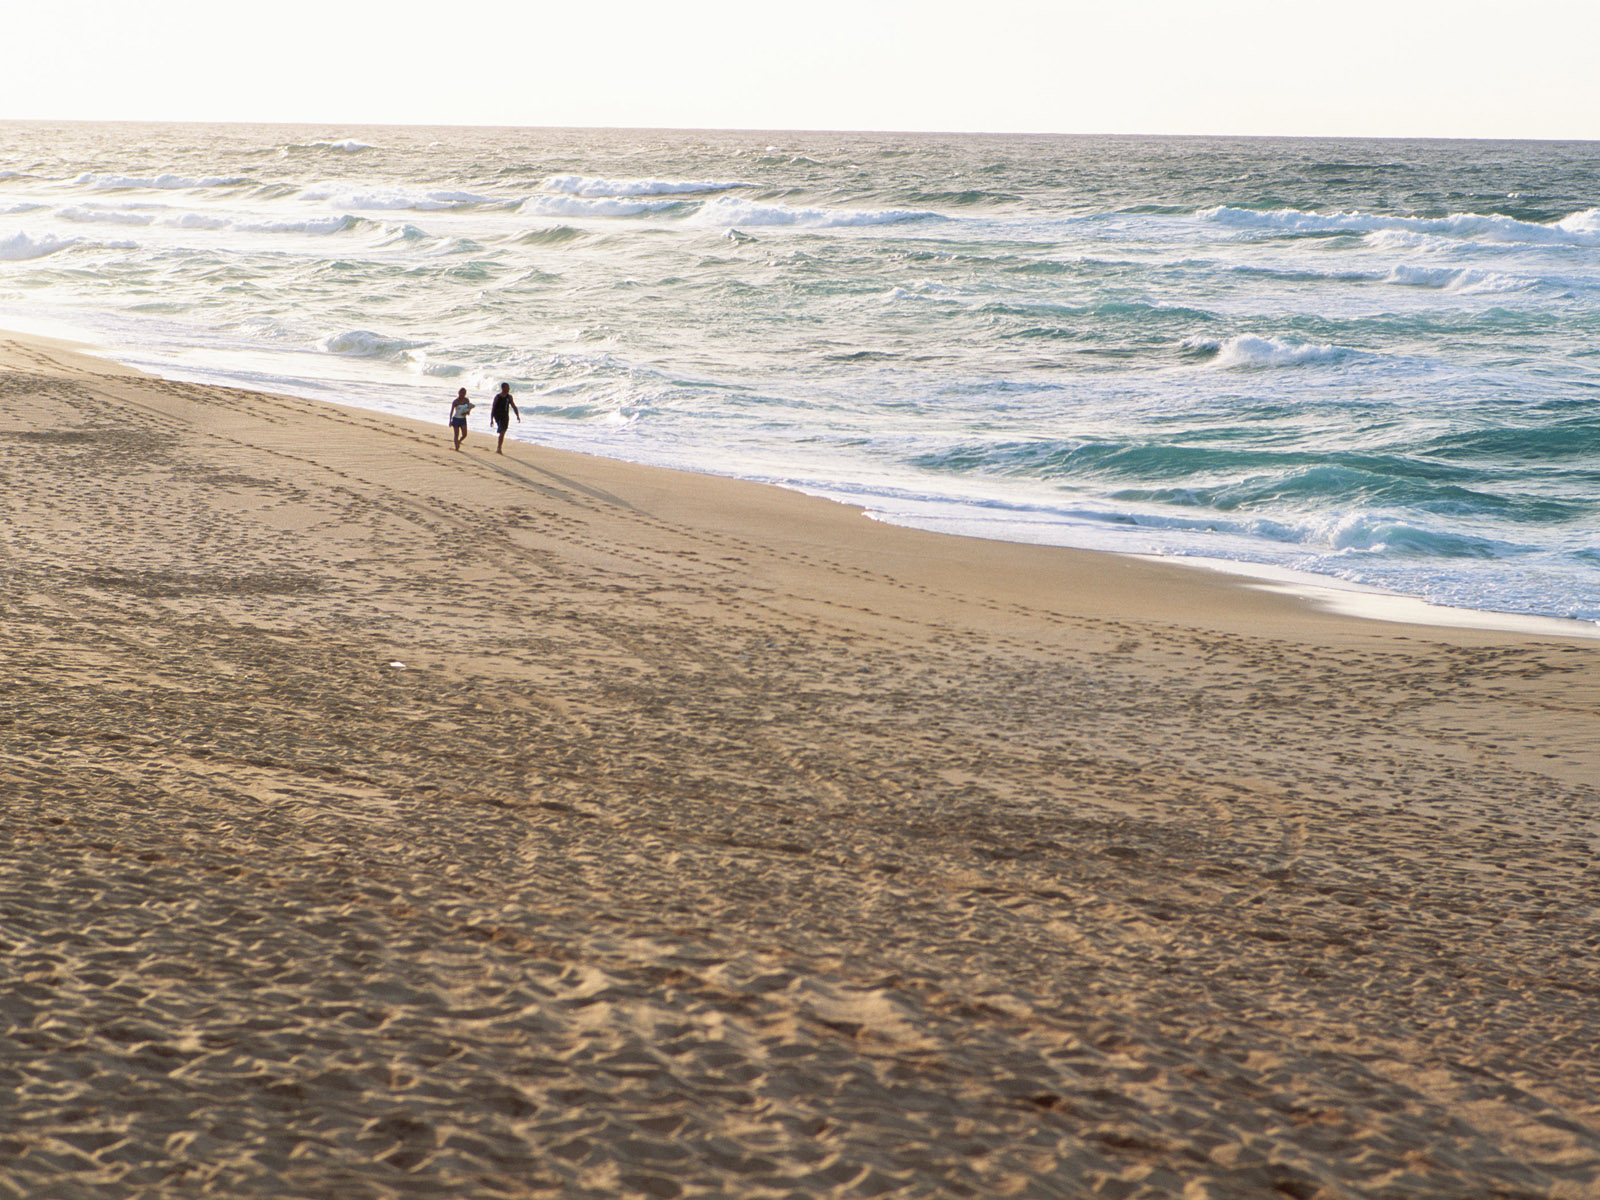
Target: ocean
1375 362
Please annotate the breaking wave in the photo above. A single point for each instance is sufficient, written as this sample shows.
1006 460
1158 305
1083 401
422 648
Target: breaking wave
127 183
363 343
589 186
735 211
19 246
383 199
584 206
1578 229
105 216
348 146
1456 279
1248 350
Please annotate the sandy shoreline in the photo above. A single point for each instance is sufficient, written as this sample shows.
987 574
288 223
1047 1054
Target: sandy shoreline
712 840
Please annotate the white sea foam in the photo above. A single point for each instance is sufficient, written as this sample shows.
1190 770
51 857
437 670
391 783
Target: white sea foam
318 226
1585 224
105 216
1247 350
19 246
383 199
589 186
1579 229
19 207
1364 532
420 362
925 289
581 206
731 211
397 234
363 343
194 220
1467 280
123 183
347 146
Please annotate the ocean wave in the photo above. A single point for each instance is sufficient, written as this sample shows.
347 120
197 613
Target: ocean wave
1248 350
318 226
363 343
1553 440
734 211
348 146
1577 229
126 183
1391 535
422 363
555 235
590 187
1467 280
22 206
971 198
583 206
19 246
395 235
384 199
925 289
105 216
197 221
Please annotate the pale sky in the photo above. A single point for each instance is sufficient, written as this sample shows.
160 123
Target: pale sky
1404 68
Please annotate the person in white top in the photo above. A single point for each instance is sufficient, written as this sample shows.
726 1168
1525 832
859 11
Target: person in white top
459 408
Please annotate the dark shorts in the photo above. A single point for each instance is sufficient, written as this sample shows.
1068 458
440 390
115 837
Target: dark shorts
458 422
502 423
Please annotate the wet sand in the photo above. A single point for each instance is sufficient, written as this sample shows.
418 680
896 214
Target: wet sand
378 820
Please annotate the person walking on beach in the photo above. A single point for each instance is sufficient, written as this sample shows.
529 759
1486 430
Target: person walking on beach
500 414
459 408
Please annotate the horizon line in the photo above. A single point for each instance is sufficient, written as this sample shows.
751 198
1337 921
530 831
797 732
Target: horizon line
799 129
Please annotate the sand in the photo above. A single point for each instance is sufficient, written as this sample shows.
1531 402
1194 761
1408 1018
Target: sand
378 820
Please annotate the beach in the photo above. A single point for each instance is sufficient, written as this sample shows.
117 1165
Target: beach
1360 359
385 821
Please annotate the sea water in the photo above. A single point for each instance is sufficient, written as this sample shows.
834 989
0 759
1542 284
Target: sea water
1375 361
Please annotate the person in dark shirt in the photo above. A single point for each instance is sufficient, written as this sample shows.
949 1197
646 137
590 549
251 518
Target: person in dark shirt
500 414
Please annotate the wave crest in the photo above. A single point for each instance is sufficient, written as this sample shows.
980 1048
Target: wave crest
98 182
584 206
590 186
1249 350
384 199
734 211
105 216
1466 280
19 246
1578 229
363 343
348 146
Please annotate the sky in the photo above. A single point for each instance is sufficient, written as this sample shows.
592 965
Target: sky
1397 68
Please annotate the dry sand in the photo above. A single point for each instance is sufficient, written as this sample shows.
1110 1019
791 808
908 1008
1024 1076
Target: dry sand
716 841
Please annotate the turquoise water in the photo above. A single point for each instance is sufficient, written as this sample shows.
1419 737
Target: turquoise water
1376 361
